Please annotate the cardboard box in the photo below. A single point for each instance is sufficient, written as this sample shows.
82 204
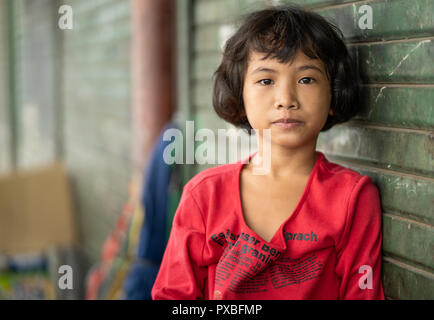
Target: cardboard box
36 211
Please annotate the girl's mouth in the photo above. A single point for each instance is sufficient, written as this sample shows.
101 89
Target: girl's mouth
287 123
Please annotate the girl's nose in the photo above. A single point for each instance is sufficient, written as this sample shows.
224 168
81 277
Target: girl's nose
286 98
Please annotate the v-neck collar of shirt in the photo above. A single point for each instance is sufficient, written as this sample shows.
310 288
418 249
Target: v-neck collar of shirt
277 240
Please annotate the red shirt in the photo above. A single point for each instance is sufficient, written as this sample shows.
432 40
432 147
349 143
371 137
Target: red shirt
329 248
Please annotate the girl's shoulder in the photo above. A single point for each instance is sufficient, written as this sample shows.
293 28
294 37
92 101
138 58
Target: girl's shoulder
214 178
343 173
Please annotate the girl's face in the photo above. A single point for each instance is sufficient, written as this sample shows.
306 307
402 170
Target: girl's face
273 91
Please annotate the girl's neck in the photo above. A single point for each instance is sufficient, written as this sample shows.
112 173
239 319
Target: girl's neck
283 162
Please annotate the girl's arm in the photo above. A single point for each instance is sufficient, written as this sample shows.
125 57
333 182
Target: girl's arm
359 250
182 274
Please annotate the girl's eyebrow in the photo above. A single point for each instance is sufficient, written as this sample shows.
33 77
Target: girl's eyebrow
300 68
309 66
262 69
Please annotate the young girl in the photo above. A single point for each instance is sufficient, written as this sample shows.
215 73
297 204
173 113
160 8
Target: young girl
308 228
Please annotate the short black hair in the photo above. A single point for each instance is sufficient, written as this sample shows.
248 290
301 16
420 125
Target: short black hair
279 32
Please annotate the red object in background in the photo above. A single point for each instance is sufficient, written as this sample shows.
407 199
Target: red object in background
93 283
111 246
110 250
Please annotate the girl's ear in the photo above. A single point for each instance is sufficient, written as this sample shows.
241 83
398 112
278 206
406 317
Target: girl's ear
331 112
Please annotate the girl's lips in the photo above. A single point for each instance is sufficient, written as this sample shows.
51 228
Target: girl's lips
288 125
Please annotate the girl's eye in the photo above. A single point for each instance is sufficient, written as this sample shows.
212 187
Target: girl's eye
265 82
309 80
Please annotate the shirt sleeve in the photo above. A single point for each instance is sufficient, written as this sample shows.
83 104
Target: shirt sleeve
359 252
182 274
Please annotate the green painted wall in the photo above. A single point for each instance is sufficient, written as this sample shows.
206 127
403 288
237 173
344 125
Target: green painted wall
35 55
5 130
66 94
392 138
96 93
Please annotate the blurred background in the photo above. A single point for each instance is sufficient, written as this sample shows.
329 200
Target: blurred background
88 86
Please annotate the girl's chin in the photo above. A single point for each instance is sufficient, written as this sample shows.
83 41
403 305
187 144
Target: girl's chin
286 145
289 140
